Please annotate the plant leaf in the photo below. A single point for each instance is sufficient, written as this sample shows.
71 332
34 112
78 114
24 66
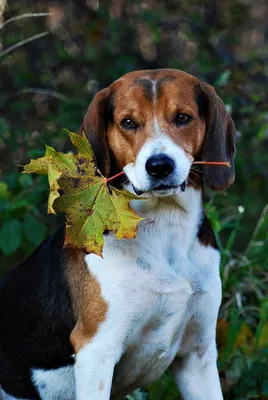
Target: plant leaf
33 230
10 236
263 337
53 177
79 190
3 190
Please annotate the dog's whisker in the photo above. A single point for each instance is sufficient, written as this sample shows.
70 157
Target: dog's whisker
198 176
191 181
125 181
197 169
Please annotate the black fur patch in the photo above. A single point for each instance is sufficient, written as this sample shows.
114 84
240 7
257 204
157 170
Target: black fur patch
206 235
111 108
36 318
200 101
147 87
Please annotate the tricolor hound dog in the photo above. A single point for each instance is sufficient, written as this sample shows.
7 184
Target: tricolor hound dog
78 326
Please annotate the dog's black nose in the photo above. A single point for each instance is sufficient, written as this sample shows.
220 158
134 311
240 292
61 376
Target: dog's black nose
159 166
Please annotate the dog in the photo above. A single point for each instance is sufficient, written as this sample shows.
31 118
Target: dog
80 326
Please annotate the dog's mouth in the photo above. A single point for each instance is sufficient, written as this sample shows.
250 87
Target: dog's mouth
162 188
137 191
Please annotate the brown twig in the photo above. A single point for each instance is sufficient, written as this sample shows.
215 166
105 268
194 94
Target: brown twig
226 164
115 176
22 43
22 16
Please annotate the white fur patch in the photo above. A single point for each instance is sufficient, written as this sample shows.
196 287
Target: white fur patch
95 383
6 396
55 384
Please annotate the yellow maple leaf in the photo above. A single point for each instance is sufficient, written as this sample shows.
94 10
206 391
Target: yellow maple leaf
79 190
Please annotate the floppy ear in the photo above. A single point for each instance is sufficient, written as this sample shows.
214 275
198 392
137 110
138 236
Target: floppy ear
95 126
219 142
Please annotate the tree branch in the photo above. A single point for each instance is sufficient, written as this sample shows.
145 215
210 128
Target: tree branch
22 43
22 16
47 92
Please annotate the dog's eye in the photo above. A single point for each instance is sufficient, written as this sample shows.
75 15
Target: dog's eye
128 124
182 119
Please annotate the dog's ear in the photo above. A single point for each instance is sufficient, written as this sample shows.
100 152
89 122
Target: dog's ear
95 126
219 142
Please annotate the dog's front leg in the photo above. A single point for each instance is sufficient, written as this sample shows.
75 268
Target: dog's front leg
94 366
94 369
195 368
197 377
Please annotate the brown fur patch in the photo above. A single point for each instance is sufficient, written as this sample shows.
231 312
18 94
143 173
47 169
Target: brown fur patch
219 142
89 306
95 125
160 83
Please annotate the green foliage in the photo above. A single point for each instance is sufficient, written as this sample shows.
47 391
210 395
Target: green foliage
47 84
10 236
22 227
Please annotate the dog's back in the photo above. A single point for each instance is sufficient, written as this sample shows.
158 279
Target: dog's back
35 314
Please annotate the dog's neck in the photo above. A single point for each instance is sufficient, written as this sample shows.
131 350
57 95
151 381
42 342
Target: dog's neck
169 222
174 218
165 235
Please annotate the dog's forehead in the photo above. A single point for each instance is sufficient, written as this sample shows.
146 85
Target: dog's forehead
151 85
155 74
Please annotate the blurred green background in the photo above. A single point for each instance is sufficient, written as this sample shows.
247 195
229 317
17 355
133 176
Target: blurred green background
52 65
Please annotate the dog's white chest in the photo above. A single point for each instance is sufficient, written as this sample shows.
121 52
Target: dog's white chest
153 286
153 342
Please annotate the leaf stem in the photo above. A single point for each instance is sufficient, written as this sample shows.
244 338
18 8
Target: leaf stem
227 164
115 176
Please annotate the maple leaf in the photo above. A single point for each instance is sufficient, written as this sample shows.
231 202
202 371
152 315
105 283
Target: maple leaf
78 189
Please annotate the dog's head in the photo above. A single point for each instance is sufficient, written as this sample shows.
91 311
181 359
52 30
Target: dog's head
153 124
